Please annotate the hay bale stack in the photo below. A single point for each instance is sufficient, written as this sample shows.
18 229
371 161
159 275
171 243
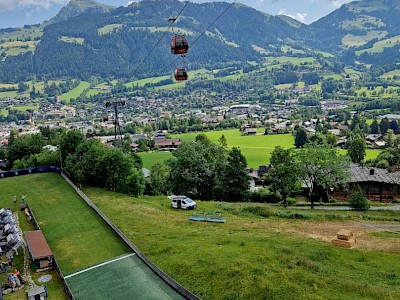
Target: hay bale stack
344 238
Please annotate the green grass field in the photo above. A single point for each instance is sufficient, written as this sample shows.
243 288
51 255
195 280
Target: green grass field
261 250
254 257
390 74
25 107
76 235
8 94
379 46
257 149
76 92
151 158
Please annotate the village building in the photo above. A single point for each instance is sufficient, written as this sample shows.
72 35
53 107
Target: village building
378 184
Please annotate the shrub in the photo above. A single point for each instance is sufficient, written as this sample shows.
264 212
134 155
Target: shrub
358 201
257 210
291 201
263 196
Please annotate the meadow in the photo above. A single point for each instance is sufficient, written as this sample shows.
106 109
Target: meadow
261 251
257 149
76 92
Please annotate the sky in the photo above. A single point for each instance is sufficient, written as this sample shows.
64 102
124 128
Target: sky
16 13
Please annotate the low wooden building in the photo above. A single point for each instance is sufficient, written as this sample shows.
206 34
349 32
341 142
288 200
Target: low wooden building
378 184
39 250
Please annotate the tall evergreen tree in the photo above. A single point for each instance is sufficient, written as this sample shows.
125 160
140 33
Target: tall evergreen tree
301 138
375 127
384 125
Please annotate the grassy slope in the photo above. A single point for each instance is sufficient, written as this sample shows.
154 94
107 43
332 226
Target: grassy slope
76 92
248 257
77 237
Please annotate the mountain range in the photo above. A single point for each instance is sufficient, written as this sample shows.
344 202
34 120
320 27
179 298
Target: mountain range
90 39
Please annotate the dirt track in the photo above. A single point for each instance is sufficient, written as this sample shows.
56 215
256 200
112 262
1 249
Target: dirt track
326 231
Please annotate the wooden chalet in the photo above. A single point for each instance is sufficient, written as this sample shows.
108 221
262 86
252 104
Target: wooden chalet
378 184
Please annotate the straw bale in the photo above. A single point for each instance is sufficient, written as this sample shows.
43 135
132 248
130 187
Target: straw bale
343 243
344 234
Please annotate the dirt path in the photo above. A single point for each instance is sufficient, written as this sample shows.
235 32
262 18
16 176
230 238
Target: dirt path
326 231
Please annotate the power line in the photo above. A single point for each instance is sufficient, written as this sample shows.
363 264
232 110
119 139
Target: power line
212 23
152 49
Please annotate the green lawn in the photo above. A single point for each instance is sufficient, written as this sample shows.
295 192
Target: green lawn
76 235
76 92
151 158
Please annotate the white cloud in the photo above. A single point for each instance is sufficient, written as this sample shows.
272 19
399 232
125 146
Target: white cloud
338 3
301 17
14 4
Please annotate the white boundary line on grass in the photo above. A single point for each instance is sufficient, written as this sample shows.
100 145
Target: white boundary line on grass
99 265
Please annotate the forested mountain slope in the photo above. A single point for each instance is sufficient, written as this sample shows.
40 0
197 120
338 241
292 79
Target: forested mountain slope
89 39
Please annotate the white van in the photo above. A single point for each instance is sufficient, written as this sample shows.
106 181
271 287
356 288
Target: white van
182 202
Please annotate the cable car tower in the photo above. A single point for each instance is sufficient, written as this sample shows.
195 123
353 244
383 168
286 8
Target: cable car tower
179 46
115 103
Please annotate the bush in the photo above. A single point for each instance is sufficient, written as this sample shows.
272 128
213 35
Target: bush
291 201
263 196
358 201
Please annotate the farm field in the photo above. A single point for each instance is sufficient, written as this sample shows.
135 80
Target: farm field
76 92
8 94
257 149
258 251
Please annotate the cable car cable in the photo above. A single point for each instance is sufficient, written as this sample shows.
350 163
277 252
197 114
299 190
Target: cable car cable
212 23
152 49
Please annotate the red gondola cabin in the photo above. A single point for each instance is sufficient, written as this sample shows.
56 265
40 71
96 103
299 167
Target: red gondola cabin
181 74
179 45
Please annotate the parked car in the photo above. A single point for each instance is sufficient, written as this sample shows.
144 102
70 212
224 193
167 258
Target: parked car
182 202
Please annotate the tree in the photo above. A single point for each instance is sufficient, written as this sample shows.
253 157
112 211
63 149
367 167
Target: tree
358 201
158 179
222 141
357 149
195 169
69 142
321 167
283 175
389 138
301 138
374 129
234 182
202 138
384 125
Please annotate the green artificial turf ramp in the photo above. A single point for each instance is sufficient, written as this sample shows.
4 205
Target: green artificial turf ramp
126 277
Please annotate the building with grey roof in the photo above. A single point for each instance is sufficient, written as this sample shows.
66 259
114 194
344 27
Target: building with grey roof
378 184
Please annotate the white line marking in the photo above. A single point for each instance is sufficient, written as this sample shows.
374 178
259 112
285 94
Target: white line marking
99 265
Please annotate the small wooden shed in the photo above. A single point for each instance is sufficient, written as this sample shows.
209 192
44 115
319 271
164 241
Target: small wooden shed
41 254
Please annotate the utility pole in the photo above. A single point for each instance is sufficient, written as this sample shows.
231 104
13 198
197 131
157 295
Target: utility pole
115 103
